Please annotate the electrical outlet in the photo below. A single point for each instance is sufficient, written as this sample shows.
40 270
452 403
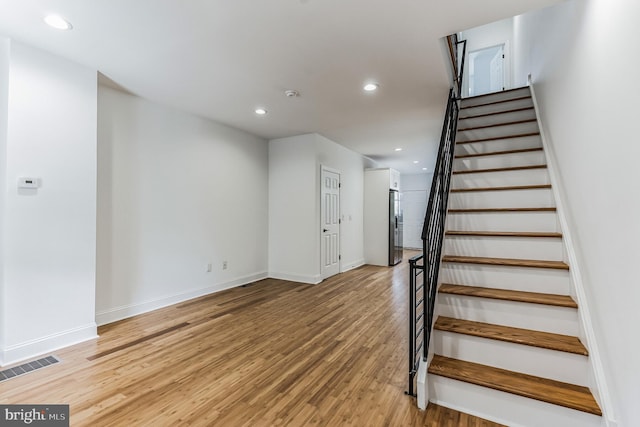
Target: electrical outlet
224 265
209 267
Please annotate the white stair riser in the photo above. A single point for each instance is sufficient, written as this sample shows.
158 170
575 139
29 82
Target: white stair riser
499 406
499 179
539 248
494 108
494 119
544 280
556 365
539 317
505 408
503 221
501 161
498 131
498 96
537 198
499 145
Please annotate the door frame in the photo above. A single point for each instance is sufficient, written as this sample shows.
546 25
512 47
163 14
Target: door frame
320 232
506 67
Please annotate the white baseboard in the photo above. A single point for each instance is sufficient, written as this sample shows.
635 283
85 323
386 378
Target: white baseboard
346 266
47 344
312 280
422 387
123 312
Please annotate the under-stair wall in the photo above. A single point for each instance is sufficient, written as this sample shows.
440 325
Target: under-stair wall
506 337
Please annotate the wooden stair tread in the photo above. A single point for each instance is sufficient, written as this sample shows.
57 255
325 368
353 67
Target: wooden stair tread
520 135
510 187
482 210
503 233
547 340
501 101
509 295
509 169
498 153
495 113
496 93
518 122
543 389
508 262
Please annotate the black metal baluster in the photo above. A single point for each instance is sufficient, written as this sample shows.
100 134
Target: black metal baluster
433 229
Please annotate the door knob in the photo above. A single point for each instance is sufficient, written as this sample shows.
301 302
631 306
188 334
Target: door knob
324 230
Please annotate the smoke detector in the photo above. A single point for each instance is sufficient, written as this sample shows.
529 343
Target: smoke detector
291 93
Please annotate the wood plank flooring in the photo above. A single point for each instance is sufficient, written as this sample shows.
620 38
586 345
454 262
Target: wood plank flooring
271 353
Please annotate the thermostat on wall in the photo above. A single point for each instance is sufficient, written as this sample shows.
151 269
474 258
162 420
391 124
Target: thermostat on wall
28 182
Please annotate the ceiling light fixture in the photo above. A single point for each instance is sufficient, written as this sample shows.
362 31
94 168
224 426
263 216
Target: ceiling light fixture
398 149
424 169
57 22
261 111
370 87
416 162
291 93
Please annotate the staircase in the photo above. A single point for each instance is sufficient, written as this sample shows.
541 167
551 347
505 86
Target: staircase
505 335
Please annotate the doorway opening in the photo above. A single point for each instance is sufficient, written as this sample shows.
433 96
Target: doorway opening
486 71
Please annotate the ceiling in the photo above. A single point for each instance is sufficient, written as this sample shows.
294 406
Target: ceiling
223 58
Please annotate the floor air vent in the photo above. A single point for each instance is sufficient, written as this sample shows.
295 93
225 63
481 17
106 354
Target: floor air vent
25 368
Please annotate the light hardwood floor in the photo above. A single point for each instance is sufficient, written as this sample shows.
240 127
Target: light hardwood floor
271 353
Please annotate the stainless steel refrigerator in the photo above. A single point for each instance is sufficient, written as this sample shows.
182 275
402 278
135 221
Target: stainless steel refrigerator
395 228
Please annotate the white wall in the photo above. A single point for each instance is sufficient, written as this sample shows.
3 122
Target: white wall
293 234
49 253
176 192
4 115
581 57
294 205
414 198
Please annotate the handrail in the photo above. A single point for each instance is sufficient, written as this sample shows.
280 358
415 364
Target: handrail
434 222
422 297
457 58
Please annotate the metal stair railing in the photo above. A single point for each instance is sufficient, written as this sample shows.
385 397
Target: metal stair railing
424 268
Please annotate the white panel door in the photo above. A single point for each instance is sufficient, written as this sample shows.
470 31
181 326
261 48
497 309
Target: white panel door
486 70
496 70
330 223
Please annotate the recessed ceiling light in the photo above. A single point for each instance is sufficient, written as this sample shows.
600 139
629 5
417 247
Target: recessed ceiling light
398 149
416 162
424 169
370 87
261 111
58 22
